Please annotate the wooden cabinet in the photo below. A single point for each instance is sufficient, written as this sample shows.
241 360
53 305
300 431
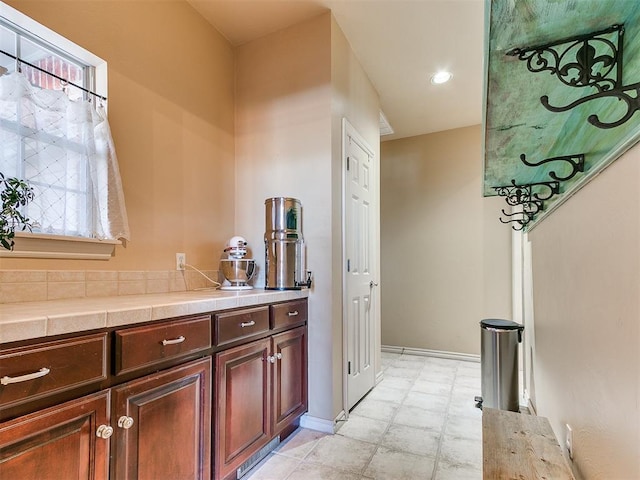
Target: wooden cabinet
240 325
141 402
58 442
47 373
159 427
156 344
260 391
289 377
288 314
162 425
163 421
55 437
156 426
243 413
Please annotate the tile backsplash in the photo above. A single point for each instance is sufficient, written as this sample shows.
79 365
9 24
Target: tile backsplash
38 285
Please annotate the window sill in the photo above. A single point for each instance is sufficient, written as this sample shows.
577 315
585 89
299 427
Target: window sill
35 245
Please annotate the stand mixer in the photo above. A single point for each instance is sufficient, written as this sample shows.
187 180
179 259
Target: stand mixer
236 269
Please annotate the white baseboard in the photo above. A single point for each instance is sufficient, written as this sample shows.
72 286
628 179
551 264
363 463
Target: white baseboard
320 424
467 357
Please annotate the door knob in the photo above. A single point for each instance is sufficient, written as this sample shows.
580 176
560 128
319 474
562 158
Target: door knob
104 431
125 422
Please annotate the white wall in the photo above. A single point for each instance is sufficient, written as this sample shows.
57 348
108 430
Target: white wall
586 363
446 258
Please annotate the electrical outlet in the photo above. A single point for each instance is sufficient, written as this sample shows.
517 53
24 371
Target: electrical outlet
569 440
181 260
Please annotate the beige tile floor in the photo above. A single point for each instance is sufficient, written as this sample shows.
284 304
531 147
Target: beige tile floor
419 422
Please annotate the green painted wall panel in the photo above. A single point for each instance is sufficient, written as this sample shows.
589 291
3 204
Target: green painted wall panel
515 120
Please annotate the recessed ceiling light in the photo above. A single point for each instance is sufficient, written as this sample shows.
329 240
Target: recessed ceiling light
441 77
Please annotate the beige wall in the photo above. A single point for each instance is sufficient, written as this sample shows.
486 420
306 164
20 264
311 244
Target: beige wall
586 278
171 110
356 100
283 149
446 258
205 134
291 95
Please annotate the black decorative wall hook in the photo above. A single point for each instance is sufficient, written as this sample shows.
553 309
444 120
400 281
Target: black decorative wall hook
594 60
530 198
522 218
576 162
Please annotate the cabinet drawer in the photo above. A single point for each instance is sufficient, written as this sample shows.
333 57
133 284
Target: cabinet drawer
45 369
240 324
139 347
289 313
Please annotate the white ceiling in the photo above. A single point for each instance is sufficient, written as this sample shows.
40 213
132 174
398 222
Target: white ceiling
400 44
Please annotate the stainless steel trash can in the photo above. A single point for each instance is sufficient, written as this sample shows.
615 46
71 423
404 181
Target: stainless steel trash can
499 363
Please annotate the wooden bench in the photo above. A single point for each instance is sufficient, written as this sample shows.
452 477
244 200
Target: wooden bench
519 446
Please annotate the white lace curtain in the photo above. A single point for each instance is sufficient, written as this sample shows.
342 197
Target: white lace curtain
64 149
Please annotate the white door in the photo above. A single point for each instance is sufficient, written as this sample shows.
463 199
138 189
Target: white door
360 281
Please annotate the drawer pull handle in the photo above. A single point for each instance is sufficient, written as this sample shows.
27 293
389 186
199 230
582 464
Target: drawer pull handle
293 314
125 422
104 431
173 341
248 324
6 380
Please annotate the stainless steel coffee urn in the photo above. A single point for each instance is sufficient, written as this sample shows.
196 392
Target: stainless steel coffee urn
284 245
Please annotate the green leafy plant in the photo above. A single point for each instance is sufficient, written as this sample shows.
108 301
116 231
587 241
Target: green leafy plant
14 193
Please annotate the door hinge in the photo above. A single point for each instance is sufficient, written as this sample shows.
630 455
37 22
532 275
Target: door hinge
348 265
347 164
349 368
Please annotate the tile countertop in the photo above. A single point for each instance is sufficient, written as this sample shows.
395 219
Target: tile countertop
23 321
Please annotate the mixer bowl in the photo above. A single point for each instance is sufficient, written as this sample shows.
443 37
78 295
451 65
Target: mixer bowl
238 271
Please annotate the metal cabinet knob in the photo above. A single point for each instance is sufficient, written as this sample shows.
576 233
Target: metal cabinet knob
273 358
104 431
125 422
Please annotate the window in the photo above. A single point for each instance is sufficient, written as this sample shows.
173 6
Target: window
57 172
19 43
55 135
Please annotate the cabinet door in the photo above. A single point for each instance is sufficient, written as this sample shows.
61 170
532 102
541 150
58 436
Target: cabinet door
243 414
289 377
58 442
163 425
